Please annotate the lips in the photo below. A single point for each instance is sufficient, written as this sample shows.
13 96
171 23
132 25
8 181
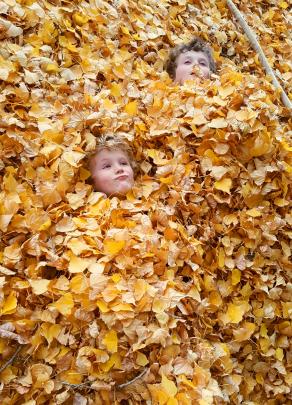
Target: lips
123 177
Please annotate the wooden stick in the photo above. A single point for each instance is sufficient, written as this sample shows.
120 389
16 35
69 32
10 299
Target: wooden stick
10 361
86 384
256 46
133 380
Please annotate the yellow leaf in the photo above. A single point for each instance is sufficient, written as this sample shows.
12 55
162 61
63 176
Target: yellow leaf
258 145
141 359
199 118
279 354
78 264
71 377
235 276
283 4
215 298
140 289
218 123
172 401
159 304
108 104
183 399
116 278
260 379
263 330
235 312
221 258
168 386
112 247
226 91
131 108
114 361
254 213
79 19
10 304
79 284
244 332
84 174
223 185
102 306
121 307
116 89
45 225
281 202
50 331
73 157
161 397
39 286
51 68
111 341
65 304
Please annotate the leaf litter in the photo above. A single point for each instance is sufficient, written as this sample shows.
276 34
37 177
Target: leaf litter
180 293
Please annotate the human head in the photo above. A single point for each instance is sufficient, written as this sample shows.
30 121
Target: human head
112 166
183 58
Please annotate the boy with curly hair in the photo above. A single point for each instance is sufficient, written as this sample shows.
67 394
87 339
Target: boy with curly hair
190 60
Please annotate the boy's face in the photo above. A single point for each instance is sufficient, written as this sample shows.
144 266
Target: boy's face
187 61
111 172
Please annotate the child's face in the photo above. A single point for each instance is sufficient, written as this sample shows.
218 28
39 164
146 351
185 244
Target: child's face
185 66
111 172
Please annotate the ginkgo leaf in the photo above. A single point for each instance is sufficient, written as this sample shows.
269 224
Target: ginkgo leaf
111 341
223 185
131 108
65 304
177 292
39 286
112 247
168 386
10 304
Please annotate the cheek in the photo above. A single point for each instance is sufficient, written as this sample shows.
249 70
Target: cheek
131 173
205 71
182 72
101 181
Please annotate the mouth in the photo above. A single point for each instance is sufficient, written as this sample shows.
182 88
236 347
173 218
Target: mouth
123 177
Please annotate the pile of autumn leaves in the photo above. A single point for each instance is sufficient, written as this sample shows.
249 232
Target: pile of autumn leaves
178 293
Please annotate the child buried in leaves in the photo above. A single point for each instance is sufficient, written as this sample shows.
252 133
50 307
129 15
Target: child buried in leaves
112 166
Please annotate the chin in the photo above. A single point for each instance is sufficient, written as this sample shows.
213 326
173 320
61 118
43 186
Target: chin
121 191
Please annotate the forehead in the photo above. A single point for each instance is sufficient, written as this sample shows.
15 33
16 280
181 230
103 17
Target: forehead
110 154
193 55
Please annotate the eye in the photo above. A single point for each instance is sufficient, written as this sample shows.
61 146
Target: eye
187 62
124 163
203 63
106 166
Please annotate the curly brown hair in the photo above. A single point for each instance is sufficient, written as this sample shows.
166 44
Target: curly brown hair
196 44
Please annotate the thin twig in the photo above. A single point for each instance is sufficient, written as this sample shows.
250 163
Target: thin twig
87 384
133 380
256 46
74 386
10 361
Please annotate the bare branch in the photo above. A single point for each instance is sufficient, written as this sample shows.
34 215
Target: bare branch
10 361
133 380
86 384
256 46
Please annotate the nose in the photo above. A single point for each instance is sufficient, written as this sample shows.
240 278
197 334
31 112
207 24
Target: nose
119 168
